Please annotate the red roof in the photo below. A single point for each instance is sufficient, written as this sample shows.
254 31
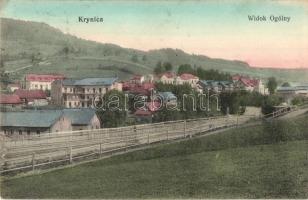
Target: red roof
31 94
137 77
140 112
167 74
9 99
247 81
44 77
188 76
153 106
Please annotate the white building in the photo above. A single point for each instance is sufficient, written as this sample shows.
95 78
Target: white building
80 93
41 81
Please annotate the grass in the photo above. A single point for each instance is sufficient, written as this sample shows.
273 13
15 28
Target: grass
235 164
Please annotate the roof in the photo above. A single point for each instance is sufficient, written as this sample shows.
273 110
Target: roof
90 81
44 77
33 118
153 106
30 94
9 99
143 112
79 116
167 74
137 77
215 83
186 76
167 95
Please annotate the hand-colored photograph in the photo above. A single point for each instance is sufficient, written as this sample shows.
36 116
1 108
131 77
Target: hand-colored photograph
159 99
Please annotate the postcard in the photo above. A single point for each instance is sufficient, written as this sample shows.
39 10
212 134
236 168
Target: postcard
153 99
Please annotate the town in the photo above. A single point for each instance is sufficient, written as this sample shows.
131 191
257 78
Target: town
54 103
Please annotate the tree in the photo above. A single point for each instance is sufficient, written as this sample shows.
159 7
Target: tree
269 103
113 114
167 66
272 85
144 58
66 50
186 68
135 58
286 84
231 103
159 68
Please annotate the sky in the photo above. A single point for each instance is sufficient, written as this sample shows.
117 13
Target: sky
218 29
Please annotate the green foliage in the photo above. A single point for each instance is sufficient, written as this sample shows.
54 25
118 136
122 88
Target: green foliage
212 75
144 58
110 116
286 84
232 103
185 68
299 100
167 66
162 67
134 58
272 85
269 102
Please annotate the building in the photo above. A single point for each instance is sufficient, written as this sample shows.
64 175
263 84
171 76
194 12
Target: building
215 86
137 79
167 78
143 116
187 79
33 122
13 86
41 81
32 97
249 84
289 93
47 121
10 100
82 119
168 98
81 93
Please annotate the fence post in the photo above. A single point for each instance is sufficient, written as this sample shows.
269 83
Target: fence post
100 149
71 155
184 128
33 161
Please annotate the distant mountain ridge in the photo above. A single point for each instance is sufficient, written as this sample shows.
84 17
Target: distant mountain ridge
21 40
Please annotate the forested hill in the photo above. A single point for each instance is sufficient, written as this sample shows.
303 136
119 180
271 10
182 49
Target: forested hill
21 41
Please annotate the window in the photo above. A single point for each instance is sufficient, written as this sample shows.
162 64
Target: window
20 132
12 132
38 132
93 90
82 104
100 90
69 104
41 87
28 132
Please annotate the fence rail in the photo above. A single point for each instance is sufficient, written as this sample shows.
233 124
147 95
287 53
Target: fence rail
32 152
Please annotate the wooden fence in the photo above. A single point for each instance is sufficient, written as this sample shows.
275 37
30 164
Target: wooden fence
52 149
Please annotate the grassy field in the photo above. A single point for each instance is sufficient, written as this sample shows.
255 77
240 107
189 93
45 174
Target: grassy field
235 164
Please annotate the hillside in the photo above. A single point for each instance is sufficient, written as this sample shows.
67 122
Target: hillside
64 53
